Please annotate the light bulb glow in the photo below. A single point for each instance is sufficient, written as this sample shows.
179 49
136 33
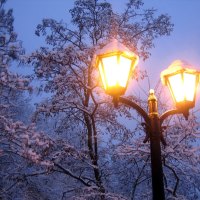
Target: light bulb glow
102 75
176 85
110 71
116 71
189 86
183 86
115 63
182 81
124 70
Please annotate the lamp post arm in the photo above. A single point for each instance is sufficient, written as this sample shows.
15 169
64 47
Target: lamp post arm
136 107
169 113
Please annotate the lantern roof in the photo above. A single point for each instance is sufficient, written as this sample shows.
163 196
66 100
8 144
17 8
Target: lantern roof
177 66
115 46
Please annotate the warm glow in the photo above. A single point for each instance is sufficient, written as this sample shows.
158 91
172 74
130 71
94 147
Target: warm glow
176 85
124 71
116 71
115 63
182 82
183 87
110 72
190 86
102 75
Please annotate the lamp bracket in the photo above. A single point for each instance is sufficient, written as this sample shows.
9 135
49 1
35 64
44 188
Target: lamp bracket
136 107
115 101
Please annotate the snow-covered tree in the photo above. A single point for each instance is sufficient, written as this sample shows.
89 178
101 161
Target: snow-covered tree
18 139
87 119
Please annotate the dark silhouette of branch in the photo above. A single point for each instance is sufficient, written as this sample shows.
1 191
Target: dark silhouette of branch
176 176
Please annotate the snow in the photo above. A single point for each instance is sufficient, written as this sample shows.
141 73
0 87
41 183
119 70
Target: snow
177 65
115 46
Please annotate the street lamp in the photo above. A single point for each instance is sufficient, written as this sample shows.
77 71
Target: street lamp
182 82
116 63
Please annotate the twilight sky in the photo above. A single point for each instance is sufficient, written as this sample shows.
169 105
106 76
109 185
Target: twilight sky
184 42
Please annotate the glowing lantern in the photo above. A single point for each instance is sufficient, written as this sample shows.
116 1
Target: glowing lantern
115 63
182 82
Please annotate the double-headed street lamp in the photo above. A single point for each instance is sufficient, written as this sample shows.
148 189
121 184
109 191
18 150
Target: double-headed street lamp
116 63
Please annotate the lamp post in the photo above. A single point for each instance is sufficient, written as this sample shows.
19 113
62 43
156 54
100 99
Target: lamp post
116 63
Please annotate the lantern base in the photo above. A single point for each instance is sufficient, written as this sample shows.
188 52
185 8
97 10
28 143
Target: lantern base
184 107
115 91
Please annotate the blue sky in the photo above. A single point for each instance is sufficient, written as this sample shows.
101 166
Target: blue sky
184 42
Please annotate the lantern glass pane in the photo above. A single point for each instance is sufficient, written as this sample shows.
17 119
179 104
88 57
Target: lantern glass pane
189 86
176 87
116 71
124 68
110 70
102 75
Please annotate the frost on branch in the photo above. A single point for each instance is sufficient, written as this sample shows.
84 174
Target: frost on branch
109 156
86 115
25 141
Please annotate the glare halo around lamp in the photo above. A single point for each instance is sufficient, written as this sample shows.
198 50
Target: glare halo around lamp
115 63
182 82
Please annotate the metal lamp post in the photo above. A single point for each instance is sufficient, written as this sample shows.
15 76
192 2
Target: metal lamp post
116 63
